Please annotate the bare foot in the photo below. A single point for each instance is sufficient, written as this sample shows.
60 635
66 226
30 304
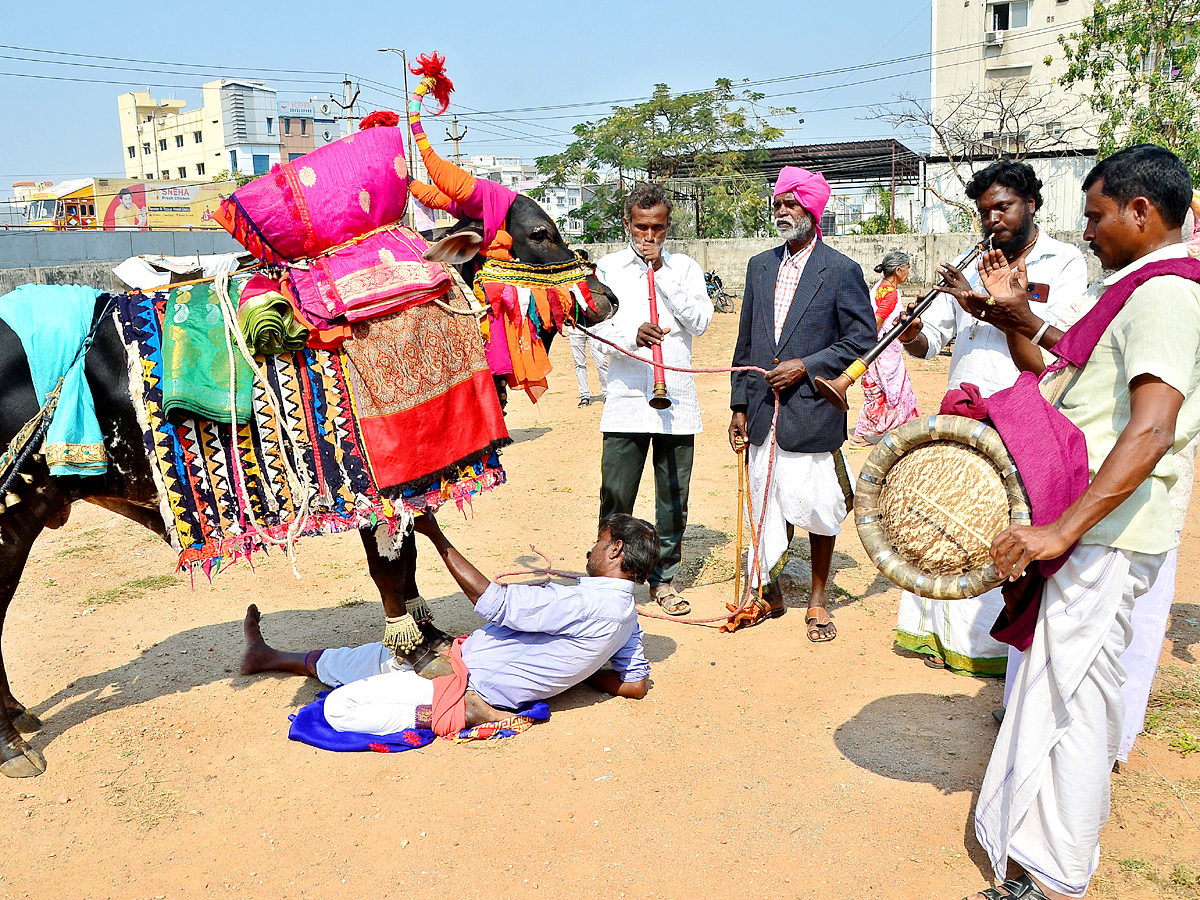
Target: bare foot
255 651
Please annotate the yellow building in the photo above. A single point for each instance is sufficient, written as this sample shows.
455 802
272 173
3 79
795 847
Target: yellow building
236 130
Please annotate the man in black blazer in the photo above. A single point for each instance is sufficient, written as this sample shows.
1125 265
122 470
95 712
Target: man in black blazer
806 312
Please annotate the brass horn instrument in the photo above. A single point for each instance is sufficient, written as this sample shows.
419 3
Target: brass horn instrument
835 391
659 400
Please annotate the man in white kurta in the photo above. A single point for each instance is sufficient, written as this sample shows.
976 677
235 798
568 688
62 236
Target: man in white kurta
1045 795
956 633
632 428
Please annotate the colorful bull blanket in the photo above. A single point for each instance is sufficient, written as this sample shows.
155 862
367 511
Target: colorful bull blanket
307 463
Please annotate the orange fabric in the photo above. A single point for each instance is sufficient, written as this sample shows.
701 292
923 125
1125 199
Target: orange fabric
318 338
530 363
457 184
428 194
450 695
500 247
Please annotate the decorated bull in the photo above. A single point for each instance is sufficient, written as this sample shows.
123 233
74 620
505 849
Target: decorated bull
517 240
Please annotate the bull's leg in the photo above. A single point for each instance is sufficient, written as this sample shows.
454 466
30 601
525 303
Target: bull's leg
19 527
392 562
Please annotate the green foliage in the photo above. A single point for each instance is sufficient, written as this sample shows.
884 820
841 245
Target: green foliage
705 138
238 178
1139 58
882 222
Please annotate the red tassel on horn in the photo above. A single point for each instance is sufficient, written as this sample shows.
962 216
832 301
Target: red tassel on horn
434 67
379 117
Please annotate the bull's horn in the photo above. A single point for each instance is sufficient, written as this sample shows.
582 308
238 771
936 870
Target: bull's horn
455 183
430 196
27 478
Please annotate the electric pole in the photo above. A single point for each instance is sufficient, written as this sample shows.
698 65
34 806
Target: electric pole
453 133
348 106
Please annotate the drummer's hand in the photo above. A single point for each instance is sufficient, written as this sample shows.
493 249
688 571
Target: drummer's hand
738 439
1019 545
786 374
650 334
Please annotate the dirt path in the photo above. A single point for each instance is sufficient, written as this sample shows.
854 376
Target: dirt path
759 766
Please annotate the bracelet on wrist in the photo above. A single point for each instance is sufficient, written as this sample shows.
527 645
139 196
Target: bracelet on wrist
1037 337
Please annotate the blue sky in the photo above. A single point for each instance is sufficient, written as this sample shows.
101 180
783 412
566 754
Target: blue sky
500 58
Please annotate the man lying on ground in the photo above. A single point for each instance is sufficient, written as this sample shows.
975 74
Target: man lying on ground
539 641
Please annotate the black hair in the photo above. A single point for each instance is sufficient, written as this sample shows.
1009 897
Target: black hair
640 544
124 190
647 196
1150 171
1008 173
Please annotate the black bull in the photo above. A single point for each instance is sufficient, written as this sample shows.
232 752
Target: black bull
128 485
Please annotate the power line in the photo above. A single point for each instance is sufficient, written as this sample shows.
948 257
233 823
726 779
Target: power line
154 62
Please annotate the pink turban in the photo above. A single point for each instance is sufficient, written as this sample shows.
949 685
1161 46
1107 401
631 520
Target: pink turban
810 189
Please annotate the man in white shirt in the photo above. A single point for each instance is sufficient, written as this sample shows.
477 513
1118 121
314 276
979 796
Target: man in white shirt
631 427
956 633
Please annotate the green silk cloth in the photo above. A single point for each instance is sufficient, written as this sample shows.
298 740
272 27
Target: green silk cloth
195 356
269 324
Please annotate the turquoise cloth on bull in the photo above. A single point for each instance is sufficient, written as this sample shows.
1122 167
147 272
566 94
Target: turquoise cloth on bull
52 321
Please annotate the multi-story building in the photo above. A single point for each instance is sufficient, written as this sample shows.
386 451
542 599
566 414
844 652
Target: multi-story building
1005 56
236 130
994 83
303 127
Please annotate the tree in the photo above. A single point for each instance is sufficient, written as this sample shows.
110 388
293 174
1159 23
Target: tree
883 222
1139 57
237 177
1008 119
700 142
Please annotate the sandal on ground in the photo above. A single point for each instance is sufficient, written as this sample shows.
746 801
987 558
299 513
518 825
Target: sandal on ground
670 601
857 443
585 401
819 632
1021 888
754 612
935 662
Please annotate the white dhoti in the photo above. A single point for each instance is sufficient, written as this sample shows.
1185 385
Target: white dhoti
1045 795
374 693
957 631
1140 659
809 491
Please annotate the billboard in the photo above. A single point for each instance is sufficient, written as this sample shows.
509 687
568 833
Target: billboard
129 203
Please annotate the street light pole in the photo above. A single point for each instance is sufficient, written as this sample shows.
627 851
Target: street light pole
404 111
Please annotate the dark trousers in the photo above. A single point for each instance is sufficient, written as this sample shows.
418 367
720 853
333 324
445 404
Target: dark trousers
621 462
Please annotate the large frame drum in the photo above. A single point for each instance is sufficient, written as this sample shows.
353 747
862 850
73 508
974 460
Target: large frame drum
931 498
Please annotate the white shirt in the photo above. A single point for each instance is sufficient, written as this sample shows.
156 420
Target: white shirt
981 354
685 310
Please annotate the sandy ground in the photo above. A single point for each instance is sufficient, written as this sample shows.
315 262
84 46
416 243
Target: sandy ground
759 765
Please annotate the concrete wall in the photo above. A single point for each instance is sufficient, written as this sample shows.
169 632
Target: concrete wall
25 249
728 257
97 275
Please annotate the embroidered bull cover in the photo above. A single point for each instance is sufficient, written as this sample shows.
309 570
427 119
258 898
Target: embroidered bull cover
221 498
332 217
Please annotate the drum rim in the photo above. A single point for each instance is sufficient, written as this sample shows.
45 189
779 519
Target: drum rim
868 515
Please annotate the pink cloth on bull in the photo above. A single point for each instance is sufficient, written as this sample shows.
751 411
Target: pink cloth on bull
490 202
314 212
810 189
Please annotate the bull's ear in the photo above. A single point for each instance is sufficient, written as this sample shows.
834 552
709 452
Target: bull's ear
457 247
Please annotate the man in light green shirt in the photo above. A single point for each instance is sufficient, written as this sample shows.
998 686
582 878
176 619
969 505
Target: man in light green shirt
1045 796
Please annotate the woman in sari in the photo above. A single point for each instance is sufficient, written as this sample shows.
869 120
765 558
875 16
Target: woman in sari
890 401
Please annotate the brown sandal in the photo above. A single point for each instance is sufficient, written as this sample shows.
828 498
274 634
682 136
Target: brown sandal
668 598
816 630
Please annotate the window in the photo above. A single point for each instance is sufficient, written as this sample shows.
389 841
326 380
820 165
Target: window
233 161
304 126
1014 14
197 137
287 126
262 162
199 168
146 149
292 157
179 140
132 152
183 171
270 125
166 174
162 143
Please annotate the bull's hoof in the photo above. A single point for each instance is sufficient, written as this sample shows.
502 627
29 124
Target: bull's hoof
28 764
436 639
429 664
26 722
